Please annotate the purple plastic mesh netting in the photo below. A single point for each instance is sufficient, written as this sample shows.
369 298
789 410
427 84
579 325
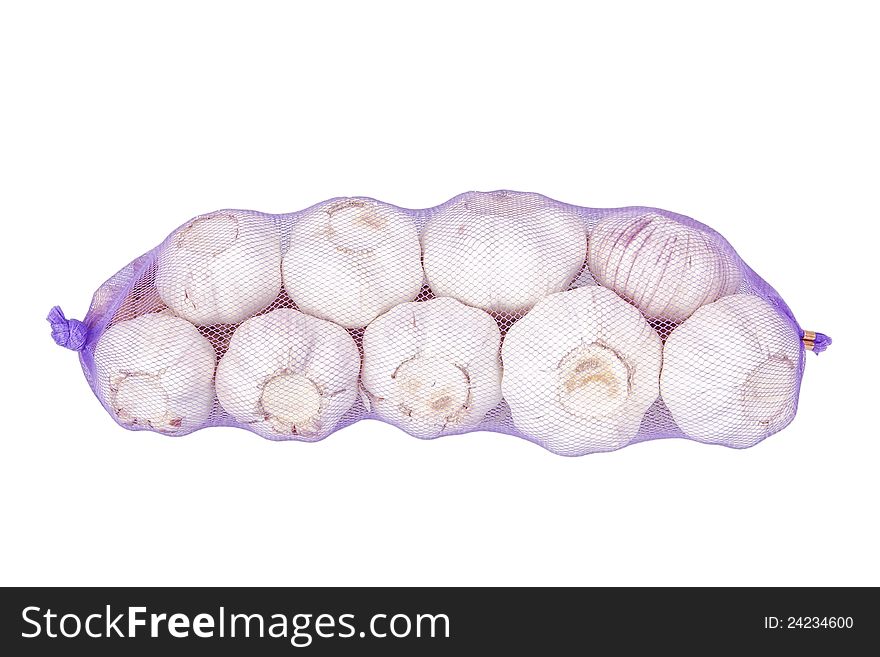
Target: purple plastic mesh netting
579 329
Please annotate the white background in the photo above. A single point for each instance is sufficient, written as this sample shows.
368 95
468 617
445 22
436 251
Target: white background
120 123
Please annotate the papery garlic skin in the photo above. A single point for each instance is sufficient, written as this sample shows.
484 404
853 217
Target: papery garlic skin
432 367
665 267
580 371
220 268
502 251
287 374
731 372
351 260
156 372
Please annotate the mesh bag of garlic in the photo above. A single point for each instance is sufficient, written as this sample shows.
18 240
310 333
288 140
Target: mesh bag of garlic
582 330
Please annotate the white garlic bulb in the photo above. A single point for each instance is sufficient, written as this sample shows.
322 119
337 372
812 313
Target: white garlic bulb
351 260
220 268
156 371
288 374
502 251
730 372
432 367
665 267
580 371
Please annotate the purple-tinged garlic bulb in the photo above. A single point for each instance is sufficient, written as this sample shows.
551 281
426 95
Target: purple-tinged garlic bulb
665 267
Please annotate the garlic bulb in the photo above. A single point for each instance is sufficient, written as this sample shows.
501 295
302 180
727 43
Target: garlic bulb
288 374
502 251
730 372
432 367
220 268
580 371
665 267
155 371
351 260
